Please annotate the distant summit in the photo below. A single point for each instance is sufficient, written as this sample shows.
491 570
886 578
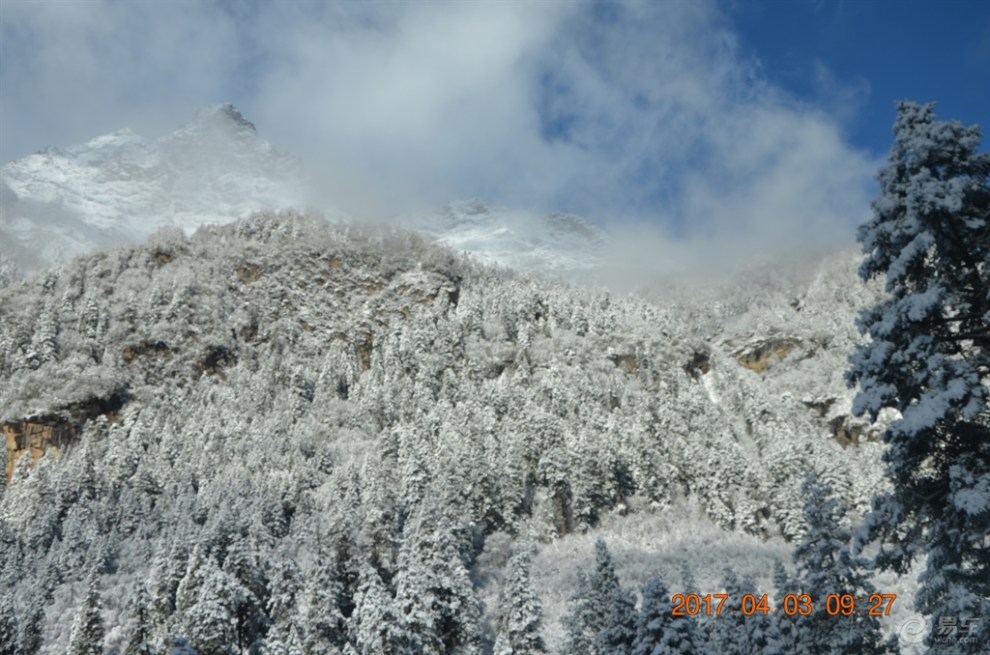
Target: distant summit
225 118
121 187
227 111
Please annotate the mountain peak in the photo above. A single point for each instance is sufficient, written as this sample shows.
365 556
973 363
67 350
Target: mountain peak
224 114
121 187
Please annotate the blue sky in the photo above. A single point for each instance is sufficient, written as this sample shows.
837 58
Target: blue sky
746 122
877 52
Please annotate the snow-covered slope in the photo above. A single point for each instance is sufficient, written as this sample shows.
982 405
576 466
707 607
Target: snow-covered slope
281 400
529 241
121 187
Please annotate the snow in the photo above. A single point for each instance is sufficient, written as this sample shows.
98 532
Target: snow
121 187
530 241
516 371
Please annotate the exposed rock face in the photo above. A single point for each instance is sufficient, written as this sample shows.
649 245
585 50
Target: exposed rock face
35 437
53 432
700 363
131 353
626 361
850 431
760 356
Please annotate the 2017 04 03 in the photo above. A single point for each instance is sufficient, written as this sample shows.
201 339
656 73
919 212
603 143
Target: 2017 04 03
791 605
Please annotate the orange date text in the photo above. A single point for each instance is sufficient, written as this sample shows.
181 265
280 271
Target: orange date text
790 605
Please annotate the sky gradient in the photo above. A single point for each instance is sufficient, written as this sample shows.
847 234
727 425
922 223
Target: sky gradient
747 122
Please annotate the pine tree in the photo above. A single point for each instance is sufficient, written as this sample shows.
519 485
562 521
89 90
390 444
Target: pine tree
584 621
735 633
826 567
242 565
165 577
9 638
283 604
45 343
325 623
602 617
439 607
375 627
620 633
658 631
87 633
929 358
520 616
785 628
211 622
31 628
141 638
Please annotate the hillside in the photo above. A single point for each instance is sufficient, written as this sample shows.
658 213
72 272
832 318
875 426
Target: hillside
285 431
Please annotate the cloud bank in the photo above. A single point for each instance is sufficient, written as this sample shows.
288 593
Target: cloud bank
640 114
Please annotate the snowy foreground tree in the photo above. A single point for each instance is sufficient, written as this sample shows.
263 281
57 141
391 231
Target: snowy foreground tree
827 568
929 358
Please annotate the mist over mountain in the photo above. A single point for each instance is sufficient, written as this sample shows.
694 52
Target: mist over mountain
528 241
121 188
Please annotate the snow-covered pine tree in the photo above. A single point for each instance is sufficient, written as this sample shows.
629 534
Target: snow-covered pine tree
786 627
283 607
375 627
323 592
45 343
141 638
602 615
929 358
32 627
164 578
658 631
210 622
827 567
619 635
584 620
735 633
87 633
439 607
520 616
243 564
9 639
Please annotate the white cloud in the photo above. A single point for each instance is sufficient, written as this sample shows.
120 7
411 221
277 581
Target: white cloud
74 70
842 99
642 111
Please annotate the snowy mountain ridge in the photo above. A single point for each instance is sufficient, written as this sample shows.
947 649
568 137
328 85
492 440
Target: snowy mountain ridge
527 241
121 188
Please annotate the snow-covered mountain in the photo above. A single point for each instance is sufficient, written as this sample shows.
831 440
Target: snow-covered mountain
330 431
280 434
121 188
